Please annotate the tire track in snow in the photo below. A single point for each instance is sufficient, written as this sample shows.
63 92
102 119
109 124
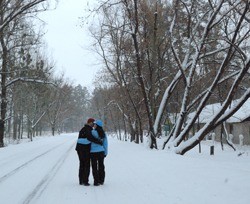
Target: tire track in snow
14 171
39 189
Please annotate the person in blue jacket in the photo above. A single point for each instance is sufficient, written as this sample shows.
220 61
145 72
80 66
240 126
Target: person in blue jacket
98 153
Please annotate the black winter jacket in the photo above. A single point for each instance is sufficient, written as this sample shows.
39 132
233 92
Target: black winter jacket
85 132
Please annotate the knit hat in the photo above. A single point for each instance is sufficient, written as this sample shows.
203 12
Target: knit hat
98 122
90 120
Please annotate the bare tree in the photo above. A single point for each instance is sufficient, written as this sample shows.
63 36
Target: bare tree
12 13
13 9
206 48
132 40
231 50
115 60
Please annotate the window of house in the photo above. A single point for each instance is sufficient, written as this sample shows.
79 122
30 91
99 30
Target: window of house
231 128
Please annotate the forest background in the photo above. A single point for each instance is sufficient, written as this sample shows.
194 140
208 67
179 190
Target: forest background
161 60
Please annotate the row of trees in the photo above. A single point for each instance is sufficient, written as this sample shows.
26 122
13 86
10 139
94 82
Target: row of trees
159 57
33 99
164 57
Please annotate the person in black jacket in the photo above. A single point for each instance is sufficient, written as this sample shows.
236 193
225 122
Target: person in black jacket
83 150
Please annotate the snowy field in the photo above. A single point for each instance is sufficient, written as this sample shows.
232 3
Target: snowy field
46 172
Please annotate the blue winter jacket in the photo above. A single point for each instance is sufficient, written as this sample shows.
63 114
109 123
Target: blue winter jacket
99 148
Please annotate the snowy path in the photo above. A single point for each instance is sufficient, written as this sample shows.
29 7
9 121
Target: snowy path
26 169
45 172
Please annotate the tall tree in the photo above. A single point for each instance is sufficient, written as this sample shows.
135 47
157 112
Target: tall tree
206 48
12 12
197 50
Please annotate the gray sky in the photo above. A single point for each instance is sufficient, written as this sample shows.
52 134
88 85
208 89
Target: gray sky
69 43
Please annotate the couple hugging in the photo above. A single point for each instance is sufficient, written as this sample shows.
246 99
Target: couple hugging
92 147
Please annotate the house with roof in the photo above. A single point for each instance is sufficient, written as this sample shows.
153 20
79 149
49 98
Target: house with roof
237 125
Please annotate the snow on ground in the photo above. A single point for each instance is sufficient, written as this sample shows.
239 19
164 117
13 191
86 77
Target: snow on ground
45 171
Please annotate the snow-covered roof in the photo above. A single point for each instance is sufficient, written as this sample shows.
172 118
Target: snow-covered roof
242 114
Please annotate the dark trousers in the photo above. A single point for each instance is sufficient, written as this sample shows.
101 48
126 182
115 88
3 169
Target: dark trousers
84 167
98 168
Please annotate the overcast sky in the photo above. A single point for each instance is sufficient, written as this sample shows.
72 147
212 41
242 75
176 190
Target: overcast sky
69 43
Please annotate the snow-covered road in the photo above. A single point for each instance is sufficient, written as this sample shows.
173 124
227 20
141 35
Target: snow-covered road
46 172
28 168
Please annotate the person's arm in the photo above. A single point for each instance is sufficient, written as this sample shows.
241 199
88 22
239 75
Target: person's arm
81 132
91 138
105 145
